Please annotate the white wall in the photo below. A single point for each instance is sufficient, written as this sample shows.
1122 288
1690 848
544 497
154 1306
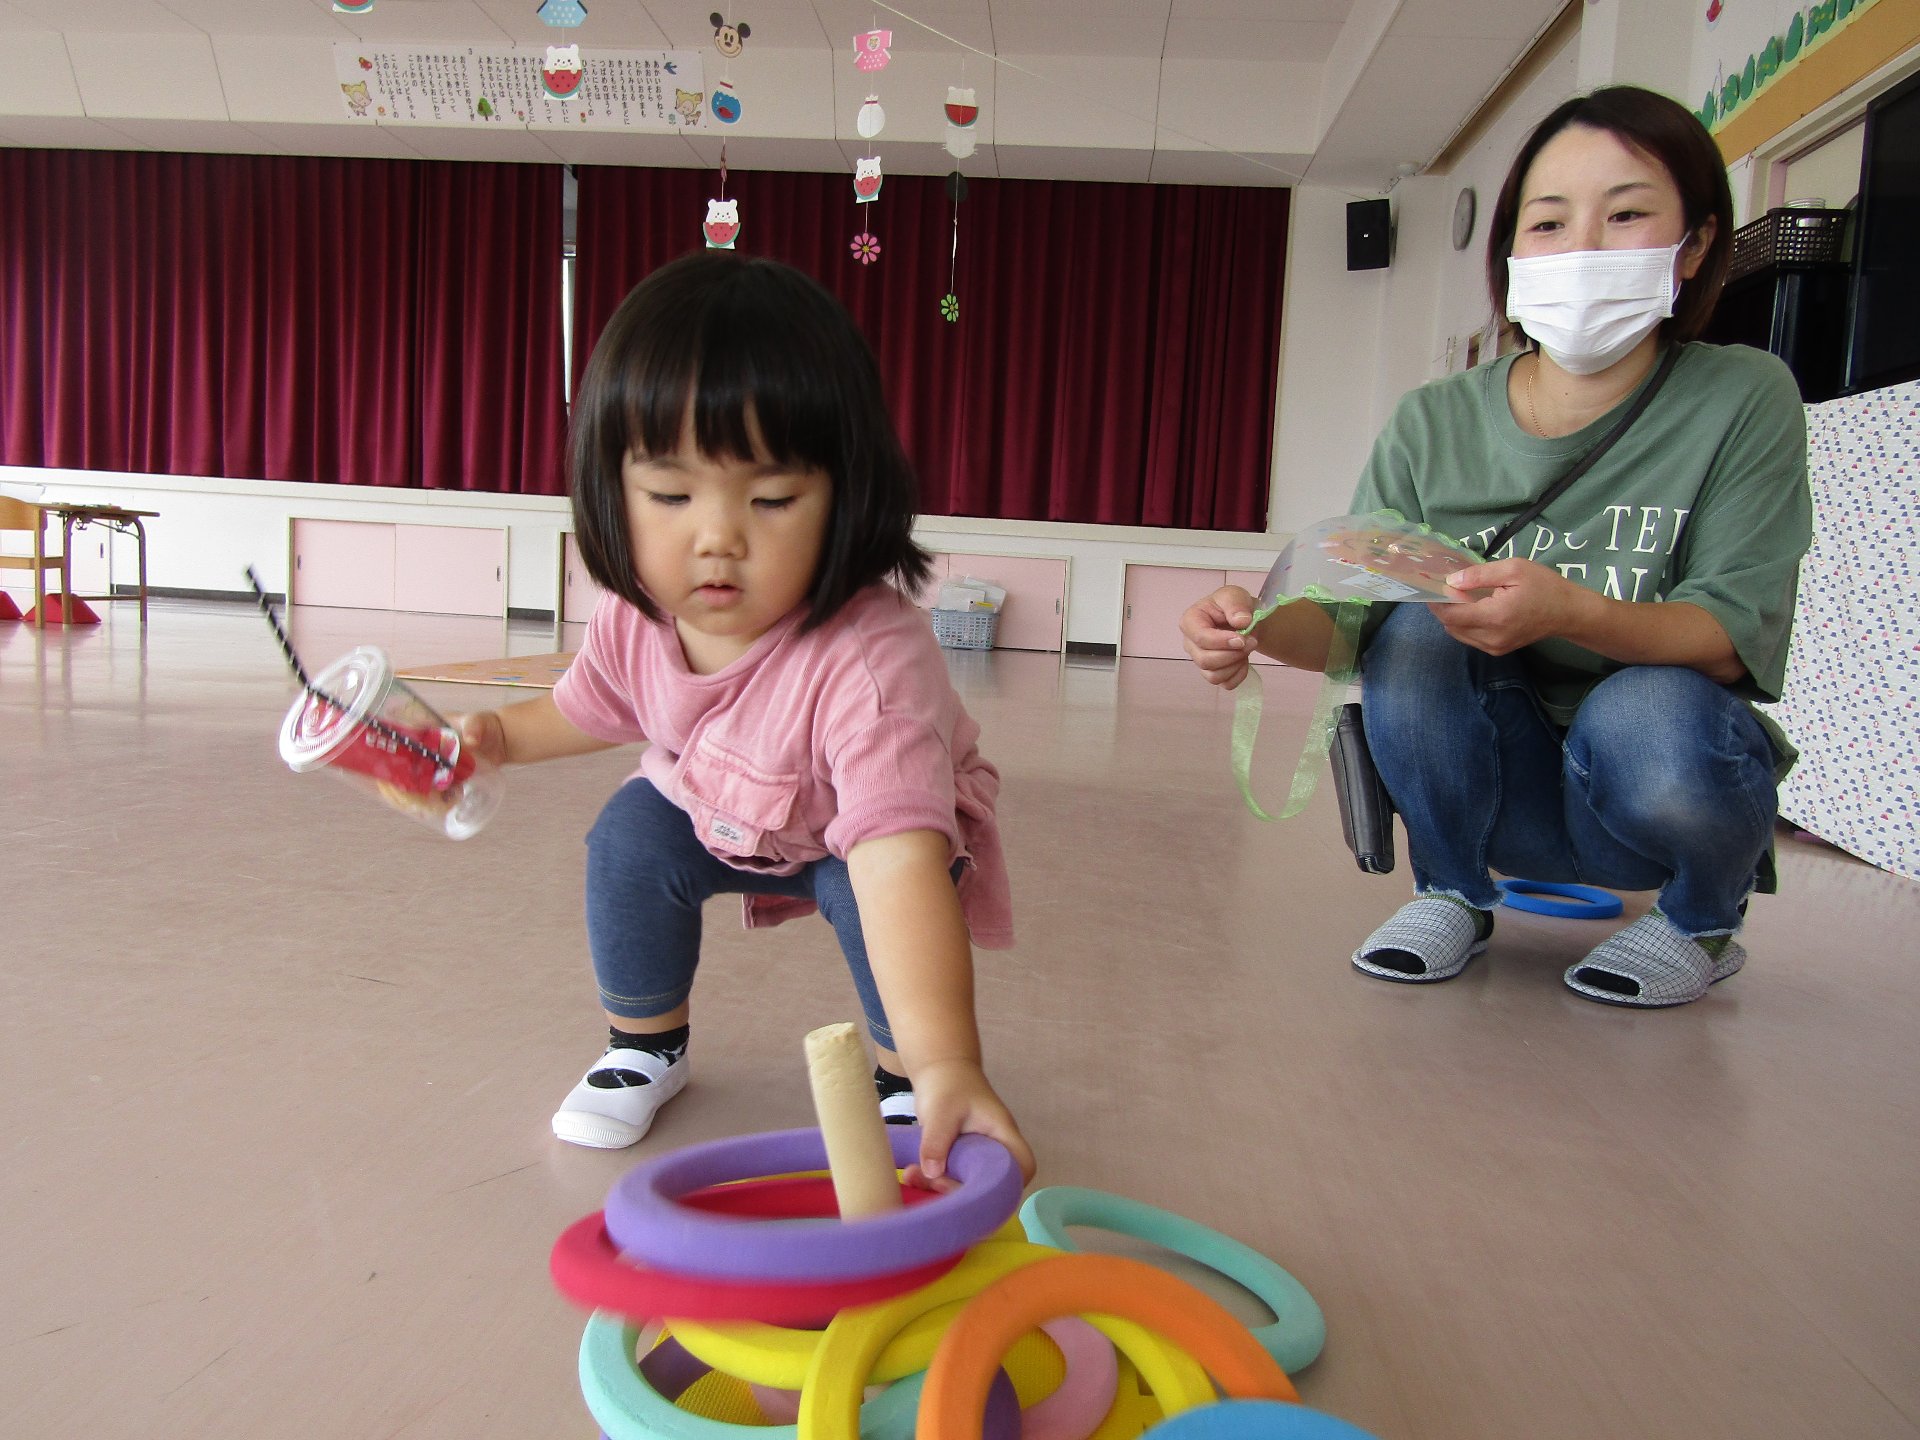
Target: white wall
209 531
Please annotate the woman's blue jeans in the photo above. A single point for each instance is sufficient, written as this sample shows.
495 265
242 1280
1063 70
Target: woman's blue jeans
647 877
1664 781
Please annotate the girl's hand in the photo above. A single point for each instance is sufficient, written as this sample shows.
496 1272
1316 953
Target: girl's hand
484 735
1526 603
953 1099
1211 630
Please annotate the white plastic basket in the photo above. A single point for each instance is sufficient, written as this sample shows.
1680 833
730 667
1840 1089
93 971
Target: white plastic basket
965 629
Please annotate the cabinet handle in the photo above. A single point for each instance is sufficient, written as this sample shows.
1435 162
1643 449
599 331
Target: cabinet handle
496 572
1056 607
1129 612
296 561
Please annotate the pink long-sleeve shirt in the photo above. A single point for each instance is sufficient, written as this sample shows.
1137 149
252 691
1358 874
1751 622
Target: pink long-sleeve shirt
804 746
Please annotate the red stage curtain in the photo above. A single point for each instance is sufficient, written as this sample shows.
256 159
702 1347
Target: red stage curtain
361 321
1117 352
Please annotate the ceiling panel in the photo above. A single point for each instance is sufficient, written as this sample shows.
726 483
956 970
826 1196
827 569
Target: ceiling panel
1043 34
202 137
258 17
1276 41
137 17
36 76
154 77
425 22
1213 167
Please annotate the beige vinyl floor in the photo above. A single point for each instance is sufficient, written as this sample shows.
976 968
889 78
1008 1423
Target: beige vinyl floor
278 1064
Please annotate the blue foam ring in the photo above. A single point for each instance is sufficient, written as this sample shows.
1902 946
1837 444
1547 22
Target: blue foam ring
1577 902
1256 1420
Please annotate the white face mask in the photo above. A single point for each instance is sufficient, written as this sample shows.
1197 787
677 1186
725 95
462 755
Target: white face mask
1589 308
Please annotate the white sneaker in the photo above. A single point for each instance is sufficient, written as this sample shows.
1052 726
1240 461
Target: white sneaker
899 1109
612 1117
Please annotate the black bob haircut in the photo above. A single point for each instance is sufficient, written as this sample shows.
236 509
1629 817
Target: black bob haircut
1668 132
746 343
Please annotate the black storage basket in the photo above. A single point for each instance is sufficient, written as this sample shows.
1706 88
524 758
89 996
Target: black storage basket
1789 237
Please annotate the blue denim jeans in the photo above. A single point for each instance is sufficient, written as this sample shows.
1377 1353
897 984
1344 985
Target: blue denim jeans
647 877
1664 781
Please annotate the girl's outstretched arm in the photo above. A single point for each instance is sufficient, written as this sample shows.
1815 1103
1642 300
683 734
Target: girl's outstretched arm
923 963
528 731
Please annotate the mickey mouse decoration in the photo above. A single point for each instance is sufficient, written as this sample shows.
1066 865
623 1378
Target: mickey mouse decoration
729 40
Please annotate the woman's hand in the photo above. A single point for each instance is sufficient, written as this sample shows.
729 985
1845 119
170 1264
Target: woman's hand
953 1099
1525 603
1211 627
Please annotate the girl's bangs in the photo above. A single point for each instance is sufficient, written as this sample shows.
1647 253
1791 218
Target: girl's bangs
739 374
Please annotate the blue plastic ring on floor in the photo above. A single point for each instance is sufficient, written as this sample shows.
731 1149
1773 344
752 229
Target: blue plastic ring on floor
1578 902
1256 1420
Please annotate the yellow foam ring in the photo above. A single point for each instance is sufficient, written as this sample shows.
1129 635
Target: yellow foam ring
722 1397
1133 1411
777 1355
843 1359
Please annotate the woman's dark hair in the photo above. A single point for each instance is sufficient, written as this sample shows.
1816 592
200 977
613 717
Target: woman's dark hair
1657 127
747 343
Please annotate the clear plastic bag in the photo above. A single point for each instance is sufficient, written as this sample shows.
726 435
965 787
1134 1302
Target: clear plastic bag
1367 557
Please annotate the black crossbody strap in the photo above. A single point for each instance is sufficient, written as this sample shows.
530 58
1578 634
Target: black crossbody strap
1590 459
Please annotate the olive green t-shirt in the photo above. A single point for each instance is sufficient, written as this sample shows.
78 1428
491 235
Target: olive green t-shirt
1704 499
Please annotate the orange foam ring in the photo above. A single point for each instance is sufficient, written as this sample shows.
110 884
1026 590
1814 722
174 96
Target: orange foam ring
955 1396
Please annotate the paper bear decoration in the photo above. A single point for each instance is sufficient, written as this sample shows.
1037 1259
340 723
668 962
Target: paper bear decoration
560 72
722 226
866 179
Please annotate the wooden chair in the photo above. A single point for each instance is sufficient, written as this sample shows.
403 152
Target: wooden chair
25 515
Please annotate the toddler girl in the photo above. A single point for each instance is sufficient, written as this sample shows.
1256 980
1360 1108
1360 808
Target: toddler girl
740 493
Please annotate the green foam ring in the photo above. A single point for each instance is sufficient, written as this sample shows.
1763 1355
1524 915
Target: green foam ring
1299 1329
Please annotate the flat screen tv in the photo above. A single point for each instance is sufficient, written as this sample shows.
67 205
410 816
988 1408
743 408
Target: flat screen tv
1884 346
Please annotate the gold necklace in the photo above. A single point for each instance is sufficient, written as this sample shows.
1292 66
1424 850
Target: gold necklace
1533 416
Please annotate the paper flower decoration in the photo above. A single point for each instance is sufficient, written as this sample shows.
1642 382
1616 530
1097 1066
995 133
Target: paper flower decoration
866 248
950 308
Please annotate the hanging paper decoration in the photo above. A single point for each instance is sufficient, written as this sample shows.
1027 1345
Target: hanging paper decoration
353 7
722 225
561 72
866 248
871 50
961 113
726 104
562 14
950 302
872 119
728 39
866 179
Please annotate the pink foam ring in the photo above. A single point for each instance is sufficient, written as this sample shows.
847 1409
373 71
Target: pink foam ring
1085 1394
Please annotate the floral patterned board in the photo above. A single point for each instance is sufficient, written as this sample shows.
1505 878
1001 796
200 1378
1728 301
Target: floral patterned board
1852 700
538 672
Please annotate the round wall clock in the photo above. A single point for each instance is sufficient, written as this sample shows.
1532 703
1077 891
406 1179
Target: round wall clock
1463 208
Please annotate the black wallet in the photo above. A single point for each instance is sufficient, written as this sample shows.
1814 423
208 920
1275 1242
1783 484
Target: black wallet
1366 810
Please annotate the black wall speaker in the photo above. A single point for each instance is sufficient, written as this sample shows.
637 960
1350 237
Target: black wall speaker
1369 234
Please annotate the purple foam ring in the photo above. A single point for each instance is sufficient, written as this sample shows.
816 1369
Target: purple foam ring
645 1220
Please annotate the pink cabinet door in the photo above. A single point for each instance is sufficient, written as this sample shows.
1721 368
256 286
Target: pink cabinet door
1034 616
578 594
450 570
1156 595
342 562
1250 581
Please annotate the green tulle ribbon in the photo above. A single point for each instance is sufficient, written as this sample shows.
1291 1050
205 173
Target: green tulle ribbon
1348 615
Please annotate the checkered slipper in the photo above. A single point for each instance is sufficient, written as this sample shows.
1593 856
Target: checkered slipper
1652 964
1440 936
